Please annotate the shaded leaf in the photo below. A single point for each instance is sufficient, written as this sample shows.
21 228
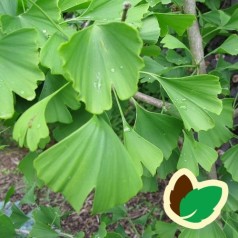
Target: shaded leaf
178 22
17 75
105 166
172 42
231 224
194 153
50 49
186 93
230 161
199 204
6 227
57 108
220 134
18 217
214 231
161 130
101 45
9 194
165 229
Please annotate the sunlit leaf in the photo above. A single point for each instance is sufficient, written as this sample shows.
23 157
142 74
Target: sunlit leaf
18 75
105 166
161 130
194 153
18 217
142 151
150 30
197 96
66 4
220 134
108 10
35 18
6 227
99 65
229 46
31 127
172 42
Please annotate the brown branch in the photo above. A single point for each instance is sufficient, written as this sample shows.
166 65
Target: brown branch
196 47
195 38
151 100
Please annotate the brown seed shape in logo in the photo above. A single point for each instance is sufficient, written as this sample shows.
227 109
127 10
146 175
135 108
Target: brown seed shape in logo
182 187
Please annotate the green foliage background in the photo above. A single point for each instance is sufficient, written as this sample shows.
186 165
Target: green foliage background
73 67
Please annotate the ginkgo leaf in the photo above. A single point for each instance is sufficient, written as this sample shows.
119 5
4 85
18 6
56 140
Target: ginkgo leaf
31 127
142 151
161 130
150 30
18 75
34 18
66 4
165 229
107 10
199 204
8 7
197 96
229 46
194 153
178 22
214 231
99 65
230 161
49 50
172 42
219 134
57 108
105 166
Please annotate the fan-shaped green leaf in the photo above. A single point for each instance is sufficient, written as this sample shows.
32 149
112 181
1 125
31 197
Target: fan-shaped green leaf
199 204
94 158
6 227
229 46
161 130
50 56
142 151
18 75
196 96
57 108
66 4
31 127
99 65
213 230
194 153
178 22
165 230
107 10
220 134
231 162
150 30
35 18
8 7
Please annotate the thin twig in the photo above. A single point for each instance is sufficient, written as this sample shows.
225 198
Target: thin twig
151 100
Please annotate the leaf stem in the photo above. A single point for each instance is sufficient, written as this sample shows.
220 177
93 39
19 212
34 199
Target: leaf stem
133 227
120 110
49 18
23 5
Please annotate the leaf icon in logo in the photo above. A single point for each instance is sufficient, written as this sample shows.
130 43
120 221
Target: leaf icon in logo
194 204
